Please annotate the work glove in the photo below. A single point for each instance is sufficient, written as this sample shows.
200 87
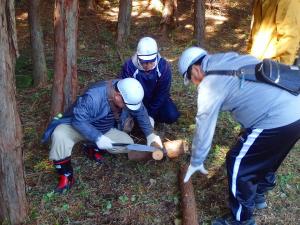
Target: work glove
192 169
151 121
154 138
104 142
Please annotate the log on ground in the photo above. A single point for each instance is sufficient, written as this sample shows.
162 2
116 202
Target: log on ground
188 203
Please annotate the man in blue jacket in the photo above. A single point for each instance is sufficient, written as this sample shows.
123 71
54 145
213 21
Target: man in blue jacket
269 115
99 116
154 74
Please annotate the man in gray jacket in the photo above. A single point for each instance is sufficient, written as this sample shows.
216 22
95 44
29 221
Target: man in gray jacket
269 115
99 116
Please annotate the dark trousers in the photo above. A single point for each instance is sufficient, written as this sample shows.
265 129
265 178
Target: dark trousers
168 113
252 163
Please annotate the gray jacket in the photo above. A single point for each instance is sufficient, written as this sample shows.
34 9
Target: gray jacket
253 105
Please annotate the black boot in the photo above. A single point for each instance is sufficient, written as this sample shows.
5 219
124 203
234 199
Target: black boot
260 201
64 169
229 220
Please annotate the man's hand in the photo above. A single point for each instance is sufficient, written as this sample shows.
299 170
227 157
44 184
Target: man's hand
192 169
154 138
104 142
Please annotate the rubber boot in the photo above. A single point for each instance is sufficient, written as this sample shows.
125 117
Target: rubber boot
65 171
93 153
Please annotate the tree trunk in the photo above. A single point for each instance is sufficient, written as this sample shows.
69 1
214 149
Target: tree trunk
90 5
169 16
12 186
124 18
188 203
65 84
199 22
37 46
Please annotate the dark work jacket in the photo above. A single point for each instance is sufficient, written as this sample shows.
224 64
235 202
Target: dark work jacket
156 82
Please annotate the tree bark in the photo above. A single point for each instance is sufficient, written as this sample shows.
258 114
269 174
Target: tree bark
169 16
188 203
90 5
37 46
199 22
124 19
12 186
65 84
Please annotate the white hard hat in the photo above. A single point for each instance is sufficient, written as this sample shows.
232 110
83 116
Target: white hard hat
147 49
188 58
132 92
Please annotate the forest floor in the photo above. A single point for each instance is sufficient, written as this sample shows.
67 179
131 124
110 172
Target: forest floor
120 191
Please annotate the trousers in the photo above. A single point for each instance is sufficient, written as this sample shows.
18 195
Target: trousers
64 137
252 163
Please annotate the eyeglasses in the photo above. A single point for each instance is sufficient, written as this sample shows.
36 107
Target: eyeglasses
189 73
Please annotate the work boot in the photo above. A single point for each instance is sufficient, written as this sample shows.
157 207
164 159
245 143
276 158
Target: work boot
260 201
65 171
229 220
93 153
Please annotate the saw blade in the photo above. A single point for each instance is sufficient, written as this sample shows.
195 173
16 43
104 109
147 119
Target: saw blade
137 147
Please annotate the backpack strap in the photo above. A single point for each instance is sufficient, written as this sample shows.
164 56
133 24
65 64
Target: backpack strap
223 72
244 73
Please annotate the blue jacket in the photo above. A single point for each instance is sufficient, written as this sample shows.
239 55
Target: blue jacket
156 82
92 116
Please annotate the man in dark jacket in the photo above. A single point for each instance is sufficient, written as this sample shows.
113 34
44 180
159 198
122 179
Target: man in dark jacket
99 117
154 74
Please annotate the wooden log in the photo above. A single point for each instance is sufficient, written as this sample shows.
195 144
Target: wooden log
175 148
158 154
172 149
139 156
188 203
144 156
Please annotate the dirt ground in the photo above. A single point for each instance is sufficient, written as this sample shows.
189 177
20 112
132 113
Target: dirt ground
120 191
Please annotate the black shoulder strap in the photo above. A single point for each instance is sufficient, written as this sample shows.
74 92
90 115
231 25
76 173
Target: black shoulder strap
223 72
245 72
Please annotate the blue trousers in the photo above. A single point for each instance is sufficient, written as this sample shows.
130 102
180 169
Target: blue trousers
168 113
252 163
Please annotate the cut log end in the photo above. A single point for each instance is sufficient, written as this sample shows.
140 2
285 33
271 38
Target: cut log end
157 155
175 148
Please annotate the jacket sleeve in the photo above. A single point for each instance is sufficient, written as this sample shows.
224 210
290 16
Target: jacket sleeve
142 118
162 91
83 114
255 22
208 104
288 32
127 70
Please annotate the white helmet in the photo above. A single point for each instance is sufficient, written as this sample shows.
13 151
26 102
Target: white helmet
147 49
188 58
132 92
